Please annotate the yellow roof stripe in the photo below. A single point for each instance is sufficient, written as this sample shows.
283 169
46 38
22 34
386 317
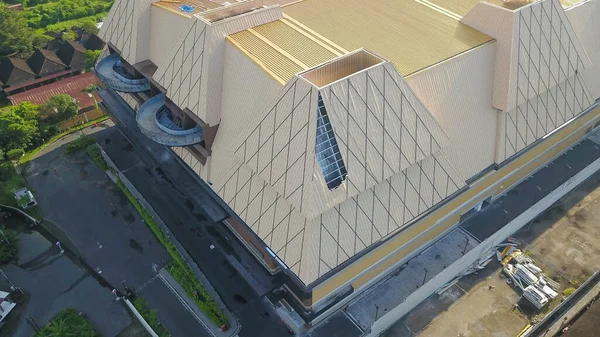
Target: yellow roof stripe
265 56
274 46
313 33
312 37
282 49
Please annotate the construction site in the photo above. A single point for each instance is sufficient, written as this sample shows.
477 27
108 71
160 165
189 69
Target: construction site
528 276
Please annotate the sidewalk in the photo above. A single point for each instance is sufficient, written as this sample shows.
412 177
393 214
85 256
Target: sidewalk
181 294
105 230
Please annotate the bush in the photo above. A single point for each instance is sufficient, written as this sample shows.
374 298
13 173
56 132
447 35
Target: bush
68 323
180 271
94 152
150 317
8 247
15 154
80 143
568 292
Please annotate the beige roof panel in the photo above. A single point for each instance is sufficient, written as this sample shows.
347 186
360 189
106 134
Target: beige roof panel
282 49
412 35
268 57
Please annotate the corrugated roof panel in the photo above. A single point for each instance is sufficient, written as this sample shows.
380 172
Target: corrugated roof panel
267 56
295 43
410 34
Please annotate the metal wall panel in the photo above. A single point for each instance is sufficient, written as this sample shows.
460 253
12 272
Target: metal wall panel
458 93
165 29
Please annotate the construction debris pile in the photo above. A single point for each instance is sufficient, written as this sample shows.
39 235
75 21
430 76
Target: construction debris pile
537 288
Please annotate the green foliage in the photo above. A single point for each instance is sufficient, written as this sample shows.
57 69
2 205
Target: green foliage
53 134
8 246
150 317
68 323
568 292
60 107
18 126
69 35
180 270
82 142
94 152
87 24
187 279
49 13
15 154
10 181
90 58
1 155
16 37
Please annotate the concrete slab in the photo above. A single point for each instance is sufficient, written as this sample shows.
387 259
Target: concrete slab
399 285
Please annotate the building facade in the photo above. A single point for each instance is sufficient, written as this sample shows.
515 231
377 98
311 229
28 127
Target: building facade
346 136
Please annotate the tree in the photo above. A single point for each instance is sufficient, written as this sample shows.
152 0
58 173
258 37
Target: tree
16 37
18 126
90 58
15 154
90 90
60 107
88 26
69 35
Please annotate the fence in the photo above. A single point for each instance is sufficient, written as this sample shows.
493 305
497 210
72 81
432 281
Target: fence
80 119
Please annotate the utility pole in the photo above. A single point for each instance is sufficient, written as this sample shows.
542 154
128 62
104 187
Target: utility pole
424 276
376 311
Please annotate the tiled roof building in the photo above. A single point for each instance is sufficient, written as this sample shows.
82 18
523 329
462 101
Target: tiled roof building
348 135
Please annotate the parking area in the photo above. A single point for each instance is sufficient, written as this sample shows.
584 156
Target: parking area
563 242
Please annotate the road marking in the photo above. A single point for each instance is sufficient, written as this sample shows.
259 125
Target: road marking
140 288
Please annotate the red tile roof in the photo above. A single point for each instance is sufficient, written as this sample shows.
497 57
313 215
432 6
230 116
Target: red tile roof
71 86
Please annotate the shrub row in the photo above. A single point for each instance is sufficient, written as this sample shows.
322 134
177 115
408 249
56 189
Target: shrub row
68 323
150 317
180 270
94 152
82 142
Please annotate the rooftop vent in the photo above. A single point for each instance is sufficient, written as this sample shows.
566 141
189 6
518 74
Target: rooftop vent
341 67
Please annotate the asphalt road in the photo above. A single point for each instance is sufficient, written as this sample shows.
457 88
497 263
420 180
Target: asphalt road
192 216
506 208
55 282
103 228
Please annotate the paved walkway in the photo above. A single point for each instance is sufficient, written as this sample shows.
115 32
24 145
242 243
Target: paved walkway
53 283
193 217
97 223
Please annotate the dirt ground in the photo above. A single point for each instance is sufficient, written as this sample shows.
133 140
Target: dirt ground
563 241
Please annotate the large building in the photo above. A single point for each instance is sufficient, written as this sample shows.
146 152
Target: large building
347 135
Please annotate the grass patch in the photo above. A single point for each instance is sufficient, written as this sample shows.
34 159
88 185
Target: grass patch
82 142
29 155
180 271
8 246
68 323
94 152
568 292
150 317
11 181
